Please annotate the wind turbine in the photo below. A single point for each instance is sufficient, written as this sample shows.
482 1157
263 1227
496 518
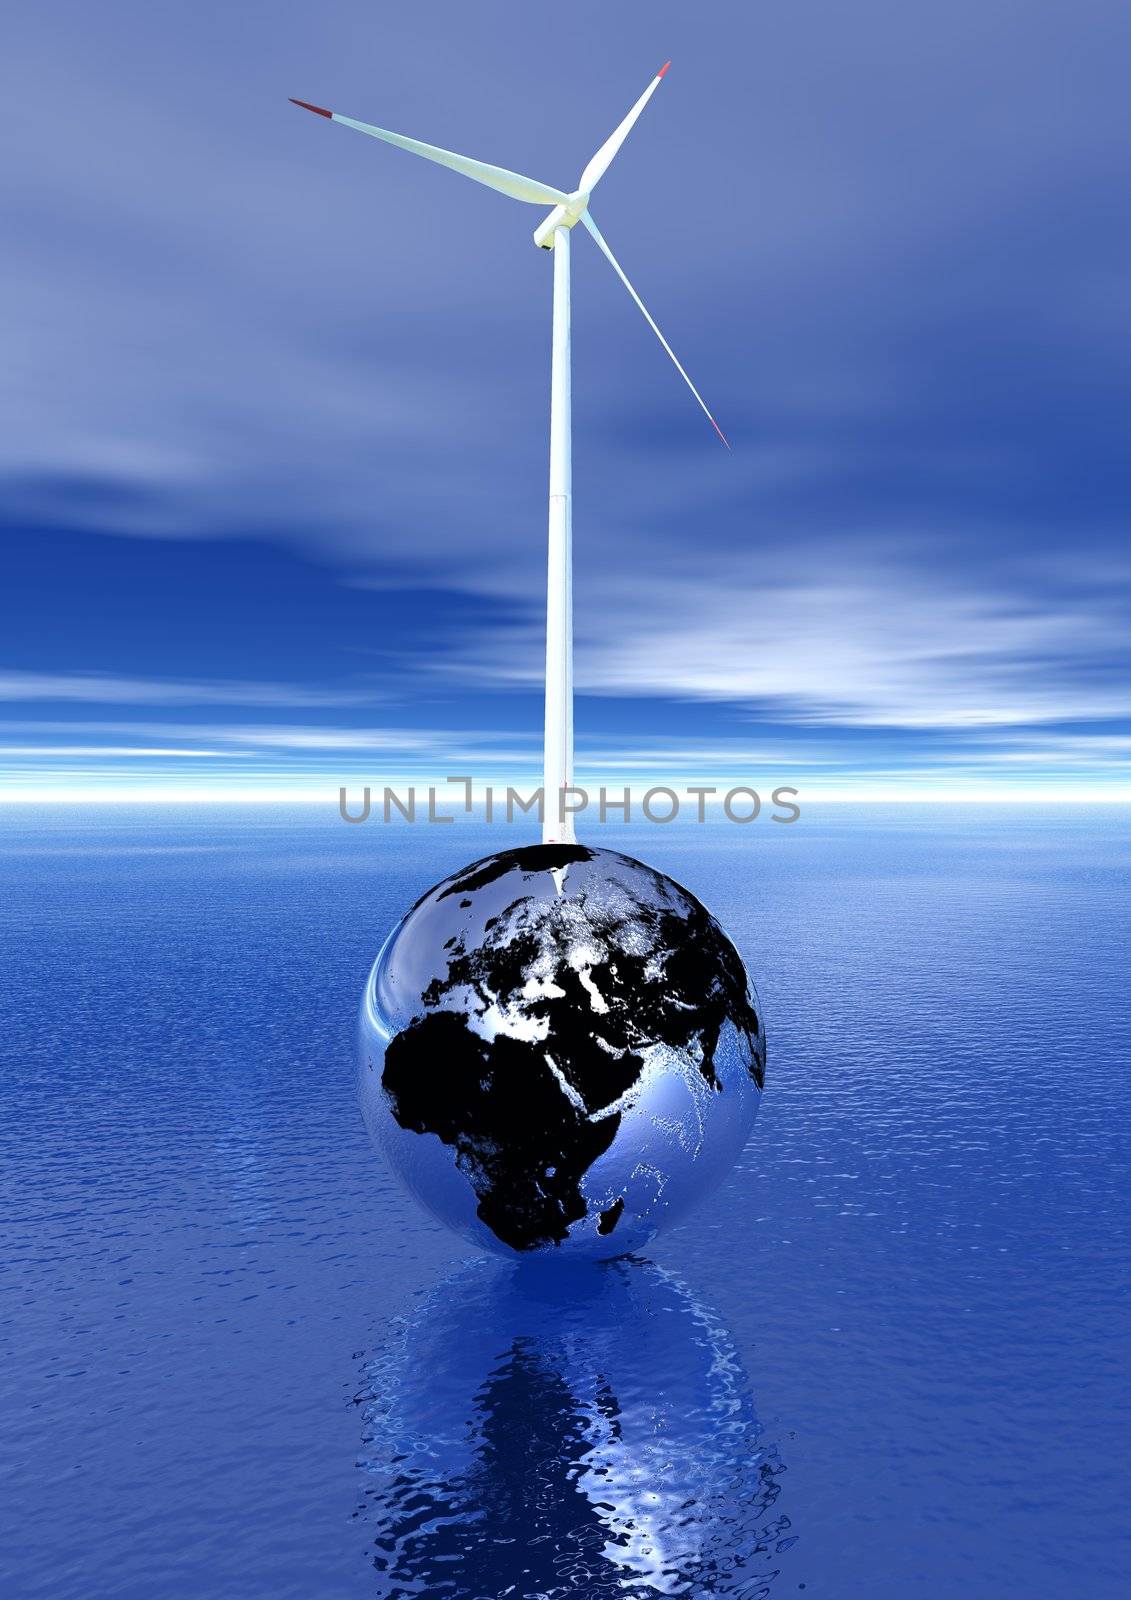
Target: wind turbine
552 233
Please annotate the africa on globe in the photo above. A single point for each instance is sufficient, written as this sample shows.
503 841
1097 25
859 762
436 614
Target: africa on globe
560 1051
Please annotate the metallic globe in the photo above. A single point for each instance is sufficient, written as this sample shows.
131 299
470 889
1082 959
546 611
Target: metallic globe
560 1051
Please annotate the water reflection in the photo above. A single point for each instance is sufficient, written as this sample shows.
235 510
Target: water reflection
537 1434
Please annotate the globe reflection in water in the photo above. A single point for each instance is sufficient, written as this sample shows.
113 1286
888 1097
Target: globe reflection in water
583 1433
560 1051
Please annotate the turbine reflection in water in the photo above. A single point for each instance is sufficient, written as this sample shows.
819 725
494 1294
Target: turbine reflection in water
582 1432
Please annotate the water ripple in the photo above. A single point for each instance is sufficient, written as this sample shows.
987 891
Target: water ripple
539 1434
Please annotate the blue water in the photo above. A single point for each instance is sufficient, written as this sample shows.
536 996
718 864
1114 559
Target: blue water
888 1360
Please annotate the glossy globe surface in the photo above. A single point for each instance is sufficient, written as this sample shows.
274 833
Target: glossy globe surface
560 1051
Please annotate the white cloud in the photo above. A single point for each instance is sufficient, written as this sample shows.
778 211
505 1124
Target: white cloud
97 688
857 641
108 752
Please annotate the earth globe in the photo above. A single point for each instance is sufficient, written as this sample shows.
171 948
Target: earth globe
560 1052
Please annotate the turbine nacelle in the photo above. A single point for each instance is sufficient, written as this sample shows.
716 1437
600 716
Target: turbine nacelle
564 216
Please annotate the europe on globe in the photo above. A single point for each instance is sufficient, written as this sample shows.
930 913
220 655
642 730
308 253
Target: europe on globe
560 1051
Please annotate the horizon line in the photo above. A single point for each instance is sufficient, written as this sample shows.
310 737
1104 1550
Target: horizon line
451 799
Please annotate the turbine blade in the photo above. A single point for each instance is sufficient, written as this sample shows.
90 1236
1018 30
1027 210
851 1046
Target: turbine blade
616 266
601 162
506 182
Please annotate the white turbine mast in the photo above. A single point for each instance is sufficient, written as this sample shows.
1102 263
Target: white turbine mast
552 233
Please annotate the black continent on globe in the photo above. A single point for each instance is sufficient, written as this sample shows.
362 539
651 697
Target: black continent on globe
662 972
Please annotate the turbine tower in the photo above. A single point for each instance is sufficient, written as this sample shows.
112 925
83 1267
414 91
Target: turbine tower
553 234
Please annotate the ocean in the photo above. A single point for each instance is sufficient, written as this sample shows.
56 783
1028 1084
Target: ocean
889 1359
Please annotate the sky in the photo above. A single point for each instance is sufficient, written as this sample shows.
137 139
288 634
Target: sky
274 403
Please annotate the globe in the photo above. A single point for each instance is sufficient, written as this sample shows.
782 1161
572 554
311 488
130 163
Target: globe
560 1051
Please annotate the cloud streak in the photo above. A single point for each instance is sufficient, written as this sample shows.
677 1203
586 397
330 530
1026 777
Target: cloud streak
857 642
96 688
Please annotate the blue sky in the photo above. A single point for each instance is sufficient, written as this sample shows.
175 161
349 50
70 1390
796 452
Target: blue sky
274 401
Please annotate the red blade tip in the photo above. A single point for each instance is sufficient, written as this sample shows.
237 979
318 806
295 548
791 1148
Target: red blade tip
319 111
663 69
